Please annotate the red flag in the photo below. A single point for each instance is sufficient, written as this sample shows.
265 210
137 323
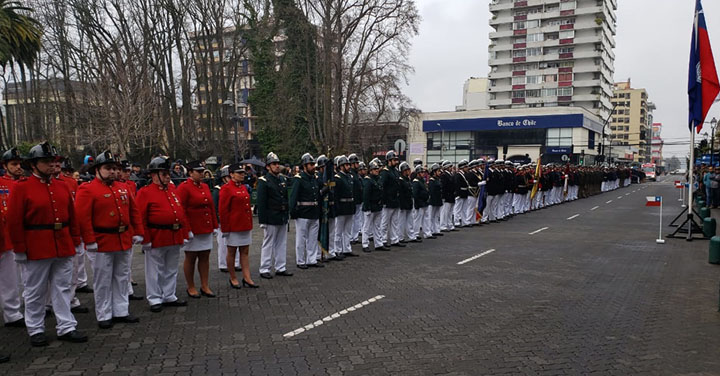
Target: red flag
703 85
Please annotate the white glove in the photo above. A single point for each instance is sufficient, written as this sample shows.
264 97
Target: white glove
215 232
146 247
190 235
262 226
79 249
480 184
185 241
137 239
21 258
92 247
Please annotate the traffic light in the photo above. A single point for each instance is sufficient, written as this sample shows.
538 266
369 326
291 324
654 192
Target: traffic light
600 149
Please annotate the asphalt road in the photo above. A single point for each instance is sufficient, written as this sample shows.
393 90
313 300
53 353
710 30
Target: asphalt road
578 288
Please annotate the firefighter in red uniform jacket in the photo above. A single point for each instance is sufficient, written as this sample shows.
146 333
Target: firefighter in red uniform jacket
197 201
166 229
45 237
9 292
110 224
236 223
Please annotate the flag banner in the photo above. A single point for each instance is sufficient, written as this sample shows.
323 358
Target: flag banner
703 85
324 231
678 184
481 195
538 172
653 200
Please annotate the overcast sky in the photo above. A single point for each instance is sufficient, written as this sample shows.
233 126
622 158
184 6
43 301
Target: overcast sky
653 47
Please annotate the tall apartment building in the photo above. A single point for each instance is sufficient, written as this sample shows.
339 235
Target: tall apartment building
631 122
548 53
657 144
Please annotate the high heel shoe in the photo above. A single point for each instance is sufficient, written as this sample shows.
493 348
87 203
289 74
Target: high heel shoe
207 294
248 284
238 286
194 296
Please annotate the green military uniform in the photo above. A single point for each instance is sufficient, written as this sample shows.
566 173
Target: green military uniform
272 200
305 197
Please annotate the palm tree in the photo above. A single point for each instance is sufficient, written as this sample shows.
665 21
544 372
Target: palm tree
20 34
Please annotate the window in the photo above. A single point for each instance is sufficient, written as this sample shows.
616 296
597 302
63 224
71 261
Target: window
565 91
565 77
552 8
565 34
519 53
518 80
519 94
533 23
550 78
519 25
567 5
566 64
566 50
532 93
537 51
549 92
559 137
627 120
553 36
519 40
533 79
537 37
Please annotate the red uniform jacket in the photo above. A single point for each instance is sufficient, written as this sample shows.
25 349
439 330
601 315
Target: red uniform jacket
71 183
37 204
161 207
132 187
234 208
199 207
6 185
108 215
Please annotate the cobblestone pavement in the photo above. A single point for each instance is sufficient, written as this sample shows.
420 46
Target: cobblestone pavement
589 295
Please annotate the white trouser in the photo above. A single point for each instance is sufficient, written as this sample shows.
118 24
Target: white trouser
434 213
427 222
306 241
111 276
54 274
517 203
331 237
358 219
488 214
418 216
469 210
222 252
80 276
274 248
161 269
458 215
131 291
446 222
9 293
405 223
390 227
497 206
372 226
343 233
526 207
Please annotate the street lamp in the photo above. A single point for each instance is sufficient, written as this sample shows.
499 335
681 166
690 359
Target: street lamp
713 124
236 118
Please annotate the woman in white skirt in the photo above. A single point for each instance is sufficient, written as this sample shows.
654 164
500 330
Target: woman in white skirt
197 201
236 224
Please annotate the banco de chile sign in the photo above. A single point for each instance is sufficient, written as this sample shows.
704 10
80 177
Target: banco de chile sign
505 123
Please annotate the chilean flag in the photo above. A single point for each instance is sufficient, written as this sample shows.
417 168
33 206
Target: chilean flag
653 200
703 85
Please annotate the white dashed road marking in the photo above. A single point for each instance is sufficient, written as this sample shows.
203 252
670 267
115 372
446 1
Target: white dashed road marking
573 217
536 231
594 208
619 197
476 257
332 317
609 202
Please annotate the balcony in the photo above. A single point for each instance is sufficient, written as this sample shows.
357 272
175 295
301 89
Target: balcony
500 102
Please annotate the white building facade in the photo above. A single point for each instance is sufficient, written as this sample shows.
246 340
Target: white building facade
552 53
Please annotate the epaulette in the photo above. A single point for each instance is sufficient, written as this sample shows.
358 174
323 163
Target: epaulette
367 177
416 180
262 178
337 176
385 168
297 176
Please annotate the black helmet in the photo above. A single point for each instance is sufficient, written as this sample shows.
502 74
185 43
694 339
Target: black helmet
417 161
341 160
125 165
306 159
391 155
105 157
158 164
404 166
67 165
11 155
44 150
272 158
236 167
353 158
195 165
321 161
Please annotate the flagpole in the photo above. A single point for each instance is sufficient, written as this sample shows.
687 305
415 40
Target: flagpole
660 240
690 182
